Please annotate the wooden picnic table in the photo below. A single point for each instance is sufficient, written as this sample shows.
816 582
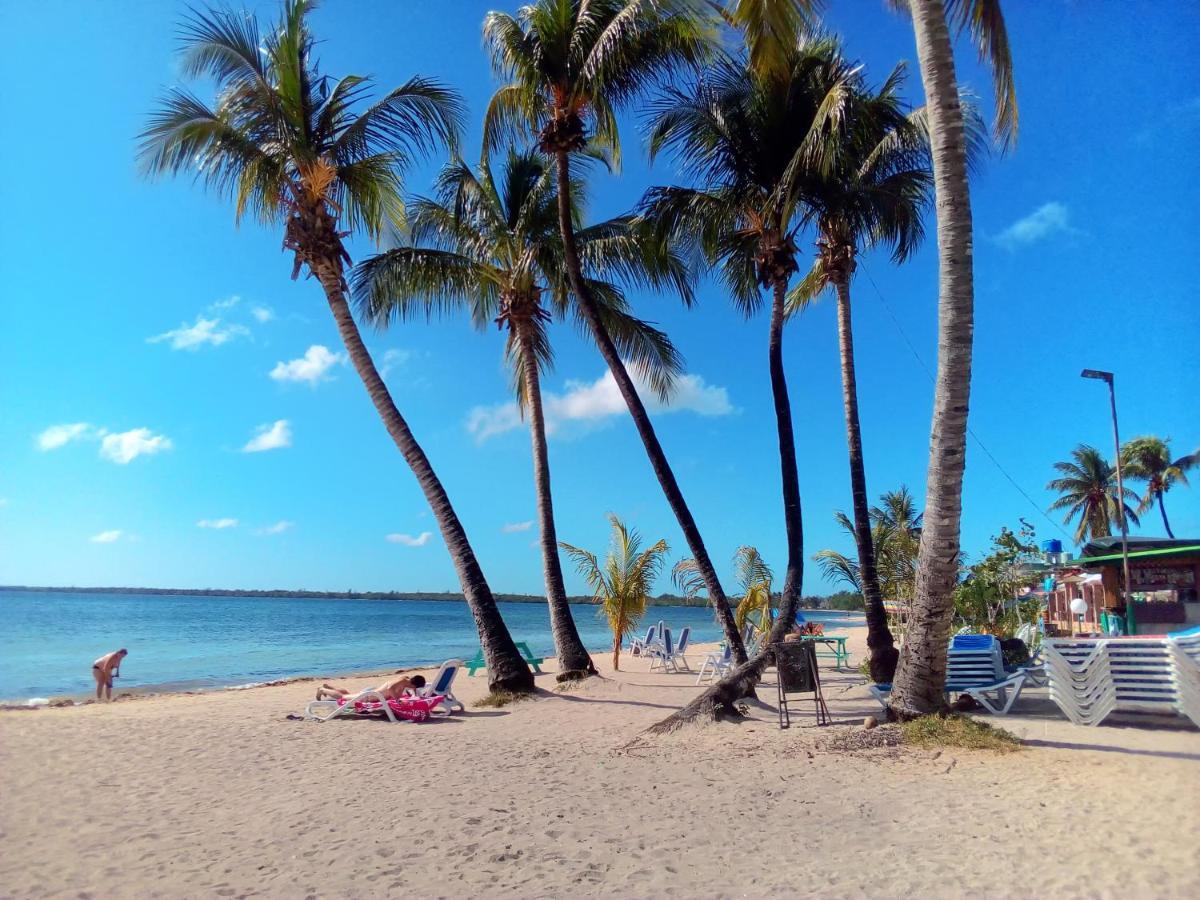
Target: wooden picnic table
480 663
836 642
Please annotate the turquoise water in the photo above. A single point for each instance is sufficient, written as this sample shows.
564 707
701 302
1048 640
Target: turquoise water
49 640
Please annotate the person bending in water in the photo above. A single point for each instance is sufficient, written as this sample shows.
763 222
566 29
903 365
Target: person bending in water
391 690
104 670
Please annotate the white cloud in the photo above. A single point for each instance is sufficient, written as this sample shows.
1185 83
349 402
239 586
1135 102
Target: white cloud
106 537
393 359
217 523
228 303
270 437
202 331
262 314
126 446
312 367
591 402
408 540
514 527
57 435
278 528
1047 220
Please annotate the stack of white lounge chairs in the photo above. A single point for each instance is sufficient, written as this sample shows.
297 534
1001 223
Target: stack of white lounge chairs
1089 679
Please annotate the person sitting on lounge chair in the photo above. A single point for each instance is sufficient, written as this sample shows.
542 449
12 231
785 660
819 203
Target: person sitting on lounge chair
391 690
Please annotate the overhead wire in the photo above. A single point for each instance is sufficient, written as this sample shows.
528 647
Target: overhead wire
929 374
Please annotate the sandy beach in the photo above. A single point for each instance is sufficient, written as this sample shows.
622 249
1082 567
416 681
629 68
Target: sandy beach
221 794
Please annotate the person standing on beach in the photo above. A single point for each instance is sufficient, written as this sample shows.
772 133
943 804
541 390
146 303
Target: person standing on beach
104 670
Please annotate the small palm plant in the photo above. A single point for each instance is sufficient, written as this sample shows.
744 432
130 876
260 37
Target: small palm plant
296 148
622 586
1148 459
753 576
567 67
1089 490
488 242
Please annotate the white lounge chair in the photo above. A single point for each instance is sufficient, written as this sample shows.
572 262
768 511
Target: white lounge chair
639 646
1089 679
715 665
669 656
440 686
975 667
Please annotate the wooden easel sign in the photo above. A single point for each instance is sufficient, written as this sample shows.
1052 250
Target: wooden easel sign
796 664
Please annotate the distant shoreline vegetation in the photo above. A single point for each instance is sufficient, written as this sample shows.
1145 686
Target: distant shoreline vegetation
843 600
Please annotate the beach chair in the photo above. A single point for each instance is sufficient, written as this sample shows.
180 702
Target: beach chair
715 665
371 703
440 686
678 659
660 654
975 667
1089 678
638 646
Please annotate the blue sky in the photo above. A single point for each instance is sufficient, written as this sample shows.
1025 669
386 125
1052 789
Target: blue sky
174 343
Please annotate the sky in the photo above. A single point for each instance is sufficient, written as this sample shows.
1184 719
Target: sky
175 412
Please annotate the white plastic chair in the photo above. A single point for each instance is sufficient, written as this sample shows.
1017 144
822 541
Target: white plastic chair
715 665
440 685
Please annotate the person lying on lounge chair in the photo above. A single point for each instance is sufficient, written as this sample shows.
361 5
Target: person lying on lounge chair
391 690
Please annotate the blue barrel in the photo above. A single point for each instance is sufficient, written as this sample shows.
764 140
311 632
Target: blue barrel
1053 545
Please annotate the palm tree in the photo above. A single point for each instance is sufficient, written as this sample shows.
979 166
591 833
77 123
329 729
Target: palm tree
750 140
568 66
921 672
287 143
895 538
1089 490
872 192
622 587
1148 459
491 245
753 576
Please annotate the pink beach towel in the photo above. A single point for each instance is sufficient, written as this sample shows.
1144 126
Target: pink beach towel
414 709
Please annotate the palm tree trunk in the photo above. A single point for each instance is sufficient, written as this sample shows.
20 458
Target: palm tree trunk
719 701
793 519
506 669
879 637
921 674
574 662
1162 508
641 420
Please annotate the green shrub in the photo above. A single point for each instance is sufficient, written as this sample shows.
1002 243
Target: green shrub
940 731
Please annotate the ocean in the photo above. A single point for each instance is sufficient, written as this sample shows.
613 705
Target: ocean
182 642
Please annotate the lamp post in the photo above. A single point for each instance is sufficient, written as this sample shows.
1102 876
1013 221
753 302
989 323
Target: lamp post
1107 378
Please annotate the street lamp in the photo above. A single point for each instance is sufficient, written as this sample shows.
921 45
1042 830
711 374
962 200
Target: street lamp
1107 378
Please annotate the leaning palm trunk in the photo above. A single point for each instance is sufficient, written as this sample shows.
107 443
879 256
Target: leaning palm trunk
879 636
641 419
921 674
720 700
1162 508
507 671
573 659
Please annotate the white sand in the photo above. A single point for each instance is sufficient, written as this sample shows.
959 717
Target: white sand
219 794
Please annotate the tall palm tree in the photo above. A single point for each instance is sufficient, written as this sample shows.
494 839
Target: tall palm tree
750 141
895 538
489 243
1148 459
921 673
297 148
1089 490
872 192
752 575
568 65
622 586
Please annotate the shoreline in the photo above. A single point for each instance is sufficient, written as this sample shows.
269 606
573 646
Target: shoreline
847 619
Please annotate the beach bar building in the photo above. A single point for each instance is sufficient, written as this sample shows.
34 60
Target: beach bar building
1164 577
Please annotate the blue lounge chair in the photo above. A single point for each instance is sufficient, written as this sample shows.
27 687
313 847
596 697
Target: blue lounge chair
975 667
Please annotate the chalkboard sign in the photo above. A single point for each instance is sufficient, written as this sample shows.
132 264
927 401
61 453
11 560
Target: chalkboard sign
796 662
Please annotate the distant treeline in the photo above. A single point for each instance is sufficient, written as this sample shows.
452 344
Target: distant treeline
841 600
